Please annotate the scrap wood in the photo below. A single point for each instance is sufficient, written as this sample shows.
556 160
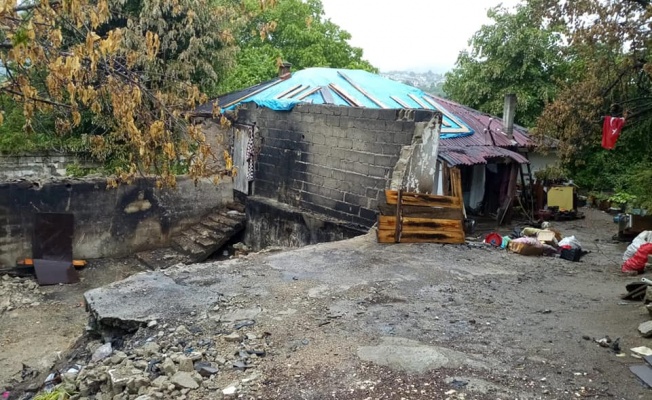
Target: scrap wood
400 102
310 92
255 92
420 199
419 102
361 90
288 91
346 96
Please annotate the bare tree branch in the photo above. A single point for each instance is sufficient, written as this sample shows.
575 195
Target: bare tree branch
45 101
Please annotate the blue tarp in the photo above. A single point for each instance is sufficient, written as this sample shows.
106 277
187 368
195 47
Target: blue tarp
379 88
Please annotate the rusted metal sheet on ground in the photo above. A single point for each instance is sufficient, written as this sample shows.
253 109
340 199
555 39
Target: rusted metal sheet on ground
52 238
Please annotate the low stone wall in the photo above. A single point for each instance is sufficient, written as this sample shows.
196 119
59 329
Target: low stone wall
108 222
39 165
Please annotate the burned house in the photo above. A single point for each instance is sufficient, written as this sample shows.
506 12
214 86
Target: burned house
330 141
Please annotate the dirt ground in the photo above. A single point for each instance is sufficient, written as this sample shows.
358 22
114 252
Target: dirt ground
358 320
39 335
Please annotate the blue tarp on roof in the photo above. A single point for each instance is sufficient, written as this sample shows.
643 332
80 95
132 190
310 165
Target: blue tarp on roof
332 86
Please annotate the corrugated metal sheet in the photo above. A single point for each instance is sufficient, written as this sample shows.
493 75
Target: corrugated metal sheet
478 121
472 155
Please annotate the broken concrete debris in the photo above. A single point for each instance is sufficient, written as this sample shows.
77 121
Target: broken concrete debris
179 365
646 329
19 292
102 352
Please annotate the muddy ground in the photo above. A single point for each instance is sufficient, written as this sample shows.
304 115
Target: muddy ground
357 320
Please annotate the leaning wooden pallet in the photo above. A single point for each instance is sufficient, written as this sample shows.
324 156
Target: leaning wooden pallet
423 218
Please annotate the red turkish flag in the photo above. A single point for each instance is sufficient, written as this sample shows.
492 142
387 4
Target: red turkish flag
611 131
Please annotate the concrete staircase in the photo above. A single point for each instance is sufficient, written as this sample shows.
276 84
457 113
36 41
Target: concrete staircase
199 241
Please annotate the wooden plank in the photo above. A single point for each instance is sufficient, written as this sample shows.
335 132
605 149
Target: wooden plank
511 192
295 94
309 92
361 90
409 224
250 94
419 102
347 97
423 237
446 180
287 92
425 200
456 182
398 219
400 102
423 212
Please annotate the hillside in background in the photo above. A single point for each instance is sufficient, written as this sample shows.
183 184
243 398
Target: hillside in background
429 82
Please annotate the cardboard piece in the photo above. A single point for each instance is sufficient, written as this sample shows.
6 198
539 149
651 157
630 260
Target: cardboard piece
525 249
547 237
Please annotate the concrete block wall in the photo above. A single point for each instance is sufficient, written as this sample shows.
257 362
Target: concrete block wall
39 165
108 222
332 160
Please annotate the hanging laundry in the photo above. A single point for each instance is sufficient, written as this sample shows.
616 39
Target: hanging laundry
251 155
611 131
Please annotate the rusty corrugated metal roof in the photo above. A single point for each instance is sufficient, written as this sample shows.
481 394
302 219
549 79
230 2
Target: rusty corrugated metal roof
478 121
472 155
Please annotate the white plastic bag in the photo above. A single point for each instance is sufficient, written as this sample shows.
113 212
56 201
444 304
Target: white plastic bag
572 242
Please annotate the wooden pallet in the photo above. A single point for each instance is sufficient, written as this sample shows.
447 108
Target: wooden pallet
423 218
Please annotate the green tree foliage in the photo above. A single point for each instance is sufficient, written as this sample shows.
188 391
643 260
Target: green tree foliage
514 54
122 71
295 31
611 45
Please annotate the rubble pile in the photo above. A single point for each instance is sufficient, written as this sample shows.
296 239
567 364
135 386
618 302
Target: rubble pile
18 292
169 362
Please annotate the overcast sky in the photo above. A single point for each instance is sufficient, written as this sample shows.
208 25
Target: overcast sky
411 34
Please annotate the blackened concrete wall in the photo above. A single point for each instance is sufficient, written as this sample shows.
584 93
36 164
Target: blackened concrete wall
270 223
331 160
108 222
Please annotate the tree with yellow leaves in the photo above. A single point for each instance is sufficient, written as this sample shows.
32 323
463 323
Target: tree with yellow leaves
129 69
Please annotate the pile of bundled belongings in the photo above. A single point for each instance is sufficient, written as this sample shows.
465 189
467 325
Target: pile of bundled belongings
546 241
637 253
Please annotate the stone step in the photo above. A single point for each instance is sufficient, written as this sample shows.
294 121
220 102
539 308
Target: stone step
161 258
227 222
236 206
201 230
198 242
203 241
187 246
213 226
